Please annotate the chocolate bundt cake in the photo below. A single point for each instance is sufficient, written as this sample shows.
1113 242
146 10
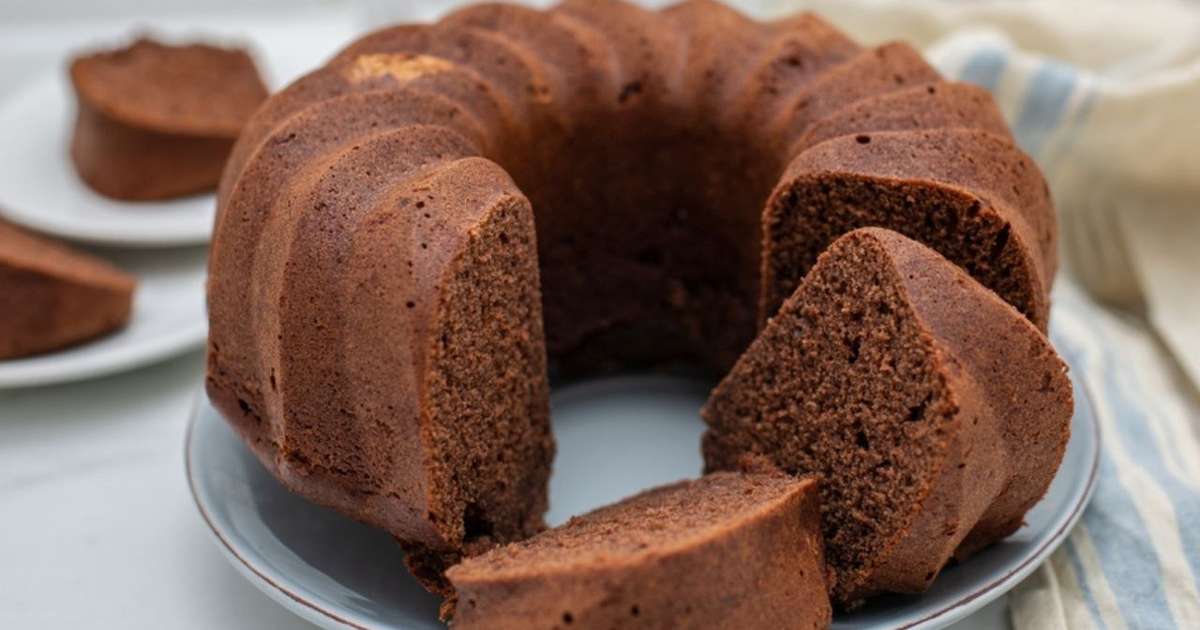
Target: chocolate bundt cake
724 551
157 121
396 229
934 414
52 296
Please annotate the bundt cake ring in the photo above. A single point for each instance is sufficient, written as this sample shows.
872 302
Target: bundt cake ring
409 237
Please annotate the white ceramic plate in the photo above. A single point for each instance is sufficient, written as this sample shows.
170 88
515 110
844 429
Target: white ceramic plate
38 184
40 189
615 437
168 318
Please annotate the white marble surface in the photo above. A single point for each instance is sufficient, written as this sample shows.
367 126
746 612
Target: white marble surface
97 528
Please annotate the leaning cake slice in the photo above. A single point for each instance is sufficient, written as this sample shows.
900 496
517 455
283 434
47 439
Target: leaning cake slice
934 413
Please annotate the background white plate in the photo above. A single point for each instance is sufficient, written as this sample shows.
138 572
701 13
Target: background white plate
168 318
615 436
40 189
38 184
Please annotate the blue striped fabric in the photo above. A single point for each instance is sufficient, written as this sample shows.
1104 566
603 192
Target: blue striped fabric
985 67
1134 559
1045 103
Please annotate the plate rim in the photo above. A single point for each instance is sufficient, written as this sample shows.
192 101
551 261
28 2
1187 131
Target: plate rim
956 611
254 574
114 361
97 234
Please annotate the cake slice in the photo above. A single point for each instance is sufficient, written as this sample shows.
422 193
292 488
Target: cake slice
933 412
969 194
52 296
158 121
728 550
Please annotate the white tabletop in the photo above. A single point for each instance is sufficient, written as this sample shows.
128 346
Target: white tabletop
97 528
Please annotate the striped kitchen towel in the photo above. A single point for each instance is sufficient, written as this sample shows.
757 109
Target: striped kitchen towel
1133 561
1106 96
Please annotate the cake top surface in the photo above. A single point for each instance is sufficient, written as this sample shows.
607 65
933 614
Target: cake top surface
193 89
660 521
24 250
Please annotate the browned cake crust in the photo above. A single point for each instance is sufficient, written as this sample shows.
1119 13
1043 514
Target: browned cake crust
936 105
881 70
934 413
157 121
644 146
724 551
52 296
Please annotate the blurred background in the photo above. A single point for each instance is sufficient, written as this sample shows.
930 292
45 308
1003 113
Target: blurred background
96 523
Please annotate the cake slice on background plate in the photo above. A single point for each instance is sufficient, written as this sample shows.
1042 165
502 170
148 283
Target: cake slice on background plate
934 413
52 296
157 121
